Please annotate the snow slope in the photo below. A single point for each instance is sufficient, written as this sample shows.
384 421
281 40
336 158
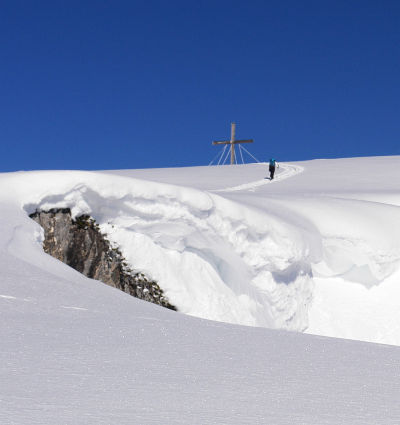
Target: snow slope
346 213
77 352
316 250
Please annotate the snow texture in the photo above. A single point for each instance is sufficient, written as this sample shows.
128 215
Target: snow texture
315 250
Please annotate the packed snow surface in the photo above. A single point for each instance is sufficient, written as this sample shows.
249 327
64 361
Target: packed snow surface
315 250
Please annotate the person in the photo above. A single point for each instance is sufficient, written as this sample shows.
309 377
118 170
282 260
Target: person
272 165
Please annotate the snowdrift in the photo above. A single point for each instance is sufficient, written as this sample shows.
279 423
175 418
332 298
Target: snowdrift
280 254
213 257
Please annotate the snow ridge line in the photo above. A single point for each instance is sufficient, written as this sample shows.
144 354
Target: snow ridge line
238 264
289 170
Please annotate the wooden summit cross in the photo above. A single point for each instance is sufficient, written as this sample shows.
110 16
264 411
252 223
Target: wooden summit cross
233 142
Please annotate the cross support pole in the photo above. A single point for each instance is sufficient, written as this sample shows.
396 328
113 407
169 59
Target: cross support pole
233 142
233 131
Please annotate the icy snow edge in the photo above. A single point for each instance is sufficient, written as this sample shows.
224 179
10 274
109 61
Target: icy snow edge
213 257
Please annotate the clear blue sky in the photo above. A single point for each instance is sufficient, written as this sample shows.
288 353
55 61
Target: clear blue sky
138 84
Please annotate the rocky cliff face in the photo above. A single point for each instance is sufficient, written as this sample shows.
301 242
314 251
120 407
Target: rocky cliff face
80 244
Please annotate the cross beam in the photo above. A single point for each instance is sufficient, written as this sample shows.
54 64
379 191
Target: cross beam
233 142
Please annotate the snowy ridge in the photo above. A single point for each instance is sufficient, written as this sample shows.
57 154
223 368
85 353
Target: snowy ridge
348 218
213 257
255 254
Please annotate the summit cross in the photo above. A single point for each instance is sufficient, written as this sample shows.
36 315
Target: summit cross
233 142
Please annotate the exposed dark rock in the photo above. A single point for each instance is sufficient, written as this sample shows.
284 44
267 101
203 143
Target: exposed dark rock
80 244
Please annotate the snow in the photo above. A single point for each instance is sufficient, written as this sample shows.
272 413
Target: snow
315 251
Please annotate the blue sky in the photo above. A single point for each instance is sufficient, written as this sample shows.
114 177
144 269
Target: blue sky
138 84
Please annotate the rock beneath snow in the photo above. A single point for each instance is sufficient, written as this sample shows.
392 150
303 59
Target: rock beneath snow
80 244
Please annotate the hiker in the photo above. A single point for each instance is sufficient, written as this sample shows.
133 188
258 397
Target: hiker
272 164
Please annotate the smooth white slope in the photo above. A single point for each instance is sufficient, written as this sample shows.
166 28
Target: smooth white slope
77 352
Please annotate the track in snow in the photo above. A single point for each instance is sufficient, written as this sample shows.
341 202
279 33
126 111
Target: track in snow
289 170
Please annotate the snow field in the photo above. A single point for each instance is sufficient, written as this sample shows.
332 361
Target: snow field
316 252
77 352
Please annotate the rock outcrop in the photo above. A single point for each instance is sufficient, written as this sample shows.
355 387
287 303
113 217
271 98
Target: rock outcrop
80 244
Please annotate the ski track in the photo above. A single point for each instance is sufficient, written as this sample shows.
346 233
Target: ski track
289 170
